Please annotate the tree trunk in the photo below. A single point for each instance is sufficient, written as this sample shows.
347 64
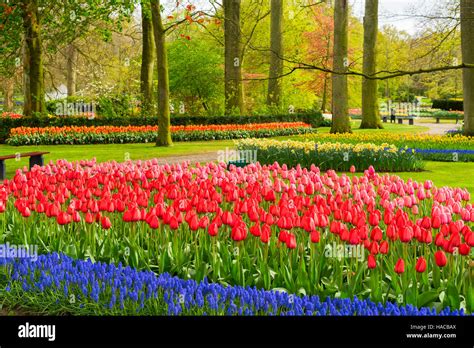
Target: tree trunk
146 76
234 100
325 86
8 91
276 47
370 109
34 99
164 130
71 70
467 43
340 117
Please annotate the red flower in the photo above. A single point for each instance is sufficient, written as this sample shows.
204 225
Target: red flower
440 258
283 236
265 236
212 230
255 230
436 221
291 241
464 249
315 236
400 266
106 223
383 249
154 222
371 262
406 234
420 264
352 169
89 218
376 234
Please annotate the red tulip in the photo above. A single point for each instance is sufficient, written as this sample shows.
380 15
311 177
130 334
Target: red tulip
315 236
106 224
371 262
213 229
174 224
436 221
291 241
2 207
420 265
426 222
63 218
352 169
239 233
283 236
406 234
440 258
464 249
376 234
374 248
76 217
89 218
266 232
400 266
154 222
26 212
383 249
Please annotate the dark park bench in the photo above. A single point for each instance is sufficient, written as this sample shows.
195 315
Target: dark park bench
36 158
411 119
457 118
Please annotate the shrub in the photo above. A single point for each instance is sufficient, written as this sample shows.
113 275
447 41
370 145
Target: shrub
448 104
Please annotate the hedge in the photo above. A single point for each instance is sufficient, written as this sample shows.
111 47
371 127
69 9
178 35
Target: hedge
448 104
315 119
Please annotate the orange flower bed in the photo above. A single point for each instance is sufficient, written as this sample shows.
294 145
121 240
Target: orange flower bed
145 129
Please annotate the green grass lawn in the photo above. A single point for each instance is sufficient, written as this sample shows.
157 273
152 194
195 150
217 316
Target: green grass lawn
109 152
453 174
390 127
433 120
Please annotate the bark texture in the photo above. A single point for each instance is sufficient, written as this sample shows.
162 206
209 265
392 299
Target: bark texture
340 117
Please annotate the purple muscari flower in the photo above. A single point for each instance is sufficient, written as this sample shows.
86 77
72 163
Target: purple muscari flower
109 284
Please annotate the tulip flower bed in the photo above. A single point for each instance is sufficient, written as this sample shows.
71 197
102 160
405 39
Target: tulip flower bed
67 286
264 226
335 156
143 134
456 143
11 115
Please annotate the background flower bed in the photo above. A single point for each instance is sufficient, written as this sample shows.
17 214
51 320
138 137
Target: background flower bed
333 155
67 286
144 134
268 227
315 119
414 141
